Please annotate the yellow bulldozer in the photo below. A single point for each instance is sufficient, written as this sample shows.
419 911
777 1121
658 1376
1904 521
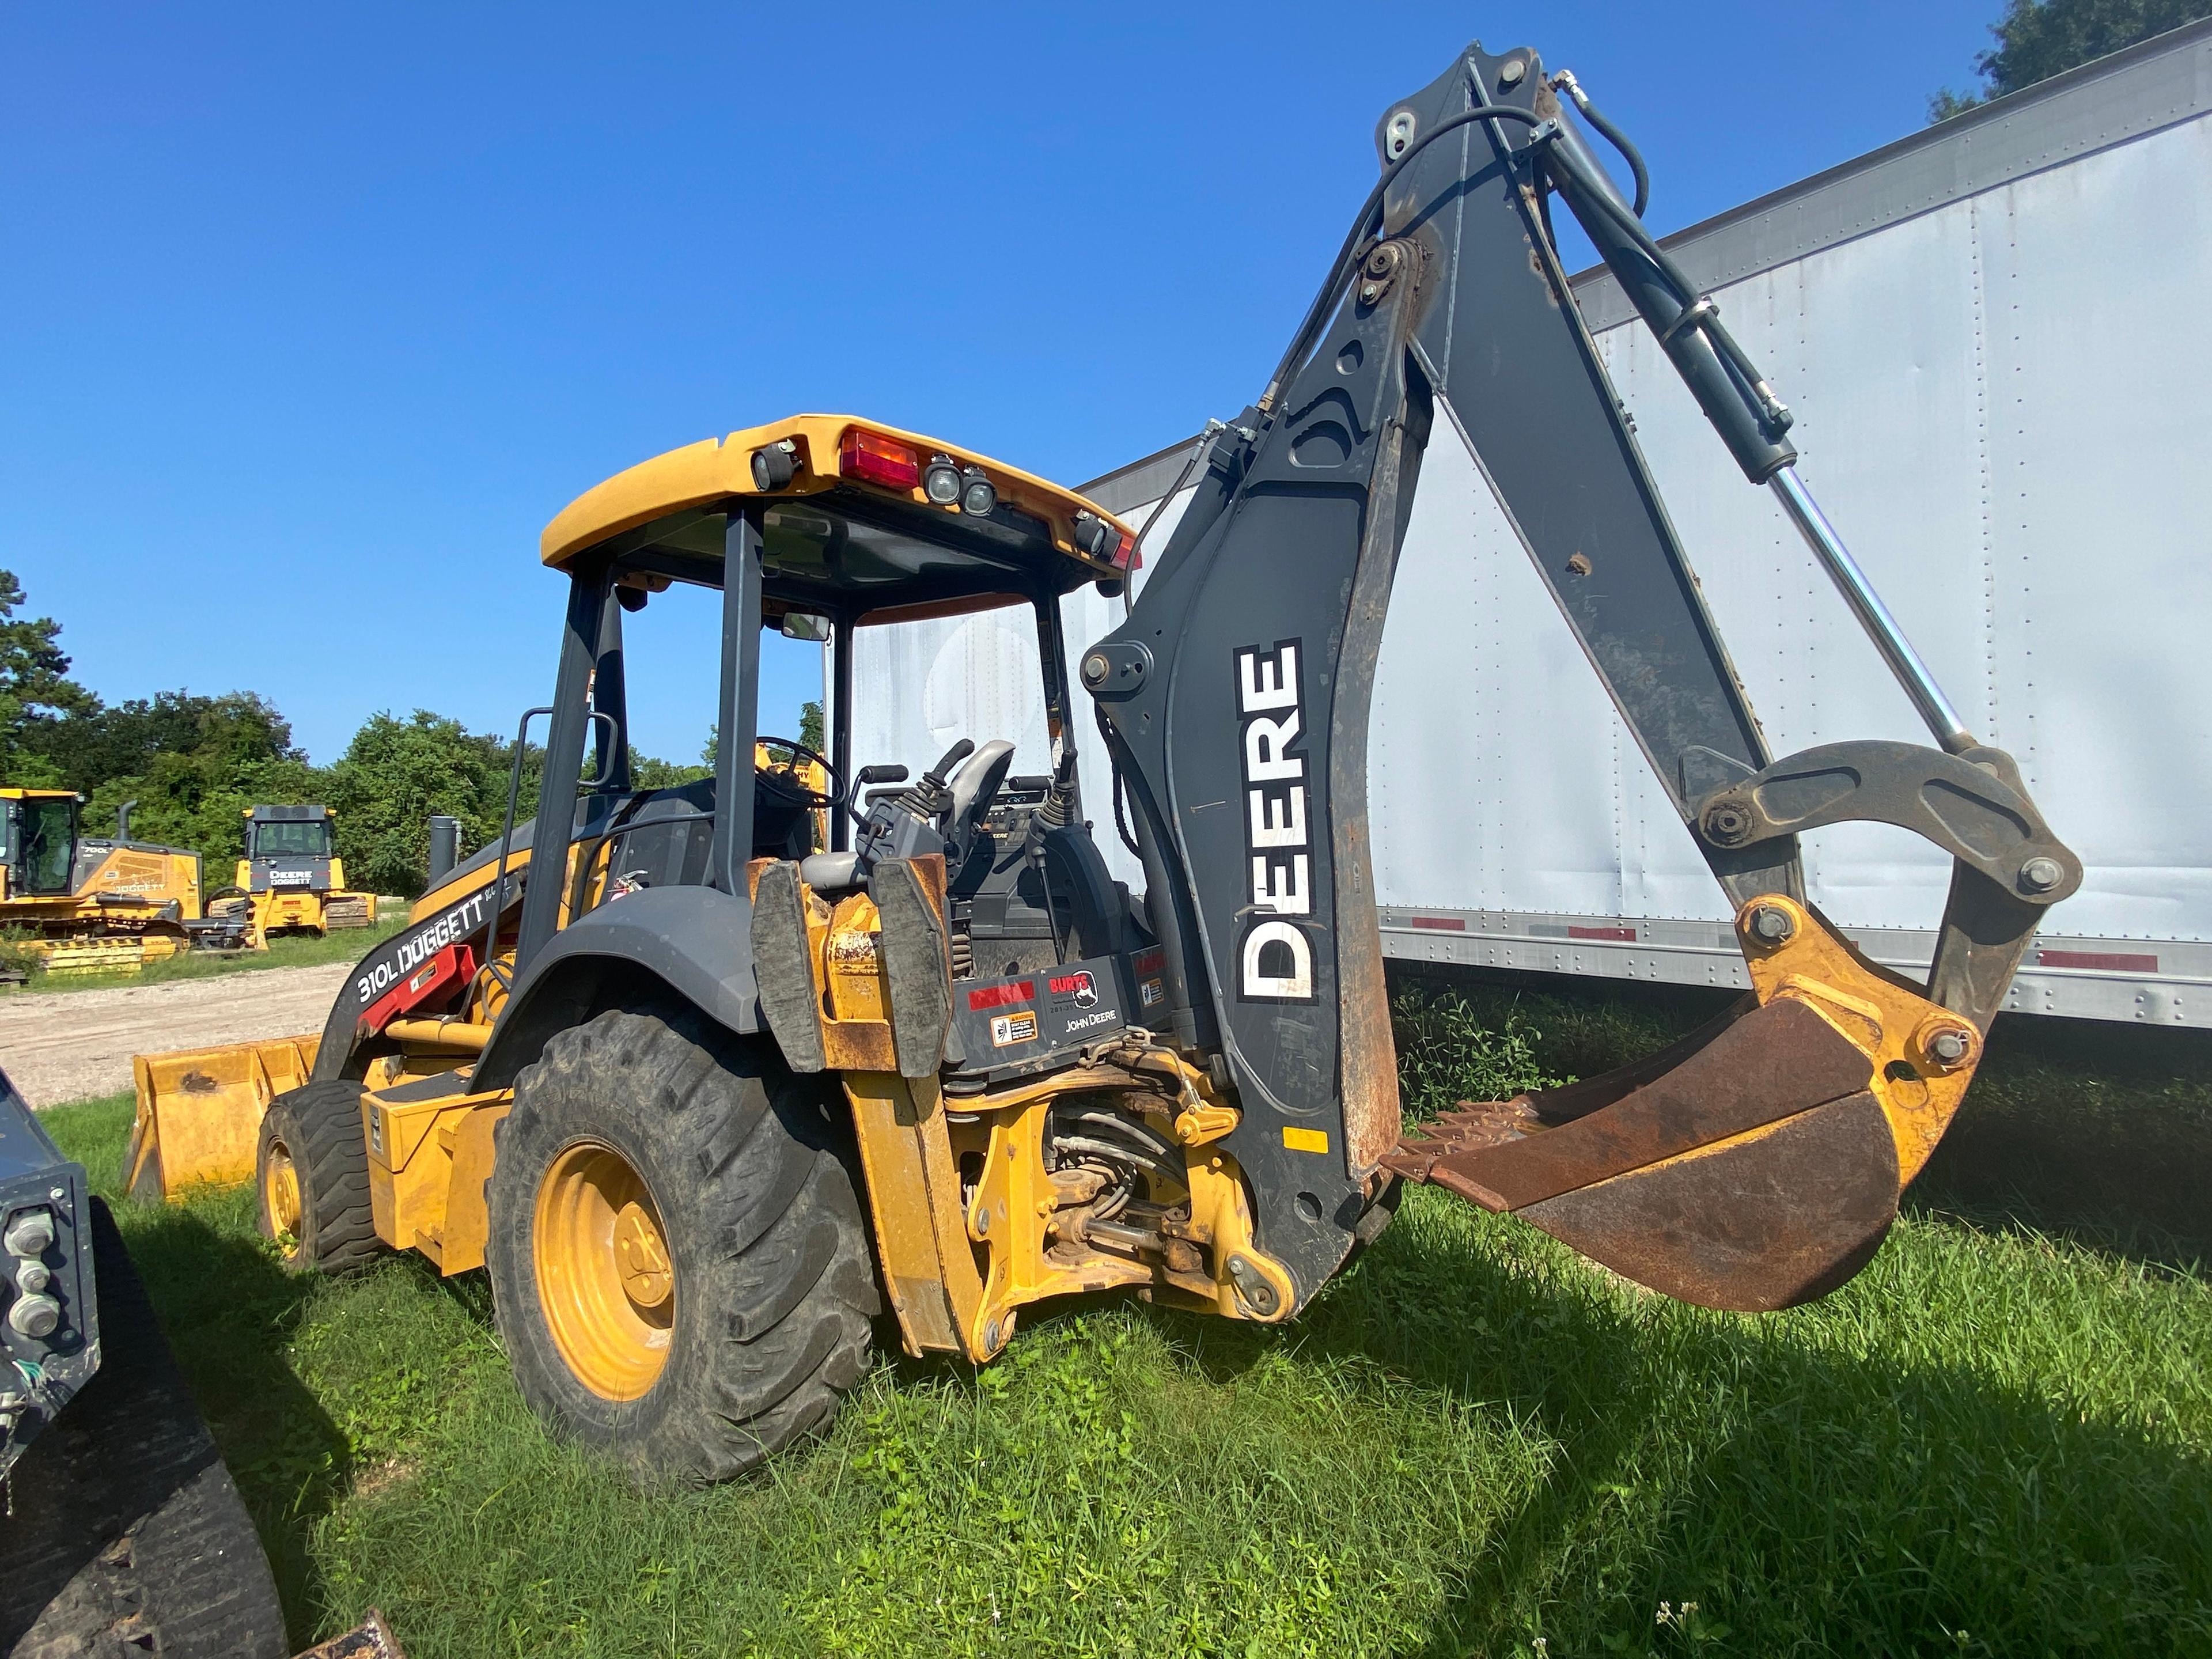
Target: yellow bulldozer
78 903
291 879
702 1100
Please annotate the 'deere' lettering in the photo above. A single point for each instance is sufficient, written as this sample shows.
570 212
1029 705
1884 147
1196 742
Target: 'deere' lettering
1275 956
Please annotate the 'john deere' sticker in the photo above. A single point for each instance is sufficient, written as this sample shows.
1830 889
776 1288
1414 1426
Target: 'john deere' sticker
1007 1029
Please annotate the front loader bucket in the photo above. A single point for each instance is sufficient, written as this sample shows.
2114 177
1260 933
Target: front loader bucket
199 1112
1750 1167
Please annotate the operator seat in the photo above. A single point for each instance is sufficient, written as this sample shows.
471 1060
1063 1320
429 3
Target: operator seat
973 789
830 873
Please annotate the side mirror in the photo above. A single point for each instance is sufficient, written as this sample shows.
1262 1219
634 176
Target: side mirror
805 625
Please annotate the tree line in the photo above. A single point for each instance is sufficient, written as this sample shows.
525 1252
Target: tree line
2038 38
194 764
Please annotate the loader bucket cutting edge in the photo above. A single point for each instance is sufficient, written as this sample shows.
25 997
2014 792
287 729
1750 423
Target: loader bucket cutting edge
1759 1172
199 1112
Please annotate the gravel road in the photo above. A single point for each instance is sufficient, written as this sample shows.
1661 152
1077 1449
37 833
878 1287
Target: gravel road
70 1045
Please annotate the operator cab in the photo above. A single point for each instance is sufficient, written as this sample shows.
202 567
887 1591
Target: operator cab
816 527
41 841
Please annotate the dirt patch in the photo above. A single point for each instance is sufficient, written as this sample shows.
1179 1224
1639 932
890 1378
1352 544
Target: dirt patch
60 1046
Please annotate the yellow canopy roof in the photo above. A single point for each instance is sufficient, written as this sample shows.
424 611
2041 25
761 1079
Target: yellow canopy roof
671 489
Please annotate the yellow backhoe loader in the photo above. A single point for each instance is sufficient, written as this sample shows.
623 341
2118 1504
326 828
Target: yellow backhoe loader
79 903
701 1099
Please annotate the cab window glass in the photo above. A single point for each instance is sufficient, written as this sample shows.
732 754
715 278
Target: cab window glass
49 829
310 840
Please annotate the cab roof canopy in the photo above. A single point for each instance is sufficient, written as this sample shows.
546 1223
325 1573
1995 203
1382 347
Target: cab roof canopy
287 814
849 528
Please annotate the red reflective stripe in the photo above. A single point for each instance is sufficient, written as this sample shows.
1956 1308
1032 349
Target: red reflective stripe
999 996
1625 935
2111 961
1441 924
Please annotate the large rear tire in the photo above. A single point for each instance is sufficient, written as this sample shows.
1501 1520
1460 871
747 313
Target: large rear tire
678 1260
311 1175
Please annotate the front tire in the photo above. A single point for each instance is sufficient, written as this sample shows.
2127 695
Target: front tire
310 1175
678 1260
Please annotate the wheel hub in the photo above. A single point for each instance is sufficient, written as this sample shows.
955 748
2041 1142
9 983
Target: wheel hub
604 1280
645 1276
281 1192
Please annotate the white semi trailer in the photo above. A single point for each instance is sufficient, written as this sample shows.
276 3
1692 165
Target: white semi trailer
1993 335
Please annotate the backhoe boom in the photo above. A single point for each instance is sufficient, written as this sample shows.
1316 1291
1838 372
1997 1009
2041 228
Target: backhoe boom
1765 1166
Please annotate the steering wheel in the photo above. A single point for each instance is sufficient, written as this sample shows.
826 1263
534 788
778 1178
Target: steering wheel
798 754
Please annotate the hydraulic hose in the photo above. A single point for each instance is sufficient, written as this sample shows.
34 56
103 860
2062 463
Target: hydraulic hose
1612 134
1317 313
1753 381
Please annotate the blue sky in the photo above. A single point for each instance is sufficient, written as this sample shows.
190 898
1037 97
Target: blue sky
313 316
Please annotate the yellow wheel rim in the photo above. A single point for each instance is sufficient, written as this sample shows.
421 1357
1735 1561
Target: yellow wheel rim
280 1196
604 1276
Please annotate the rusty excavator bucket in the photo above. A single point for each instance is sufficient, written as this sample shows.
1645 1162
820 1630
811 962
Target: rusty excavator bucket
1754 1165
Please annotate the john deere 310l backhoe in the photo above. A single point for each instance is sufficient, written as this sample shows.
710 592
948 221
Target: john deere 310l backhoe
697 1096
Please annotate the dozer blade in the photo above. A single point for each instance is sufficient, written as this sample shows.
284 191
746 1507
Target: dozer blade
1747 1168
199 1112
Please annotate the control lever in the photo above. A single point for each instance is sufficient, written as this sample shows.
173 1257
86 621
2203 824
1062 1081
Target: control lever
904 825
927 799
850 802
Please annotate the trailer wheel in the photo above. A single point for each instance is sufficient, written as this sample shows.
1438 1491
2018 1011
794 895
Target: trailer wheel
311 1175
678 1263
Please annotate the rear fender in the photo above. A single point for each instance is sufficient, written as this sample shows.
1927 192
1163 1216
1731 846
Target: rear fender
691 943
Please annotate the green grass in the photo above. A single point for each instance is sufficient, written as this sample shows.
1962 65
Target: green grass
1994 1441
288 950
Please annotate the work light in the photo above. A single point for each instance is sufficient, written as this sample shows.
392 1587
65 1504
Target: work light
979 496
940 481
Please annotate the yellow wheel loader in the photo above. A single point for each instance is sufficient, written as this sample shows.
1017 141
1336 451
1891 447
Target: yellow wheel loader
291 879
702 1100
94 903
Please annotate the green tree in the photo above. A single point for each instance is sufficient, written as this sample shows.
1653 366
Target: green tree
2038 38
812 732
394 775
647 772
36 692
121 740
193 765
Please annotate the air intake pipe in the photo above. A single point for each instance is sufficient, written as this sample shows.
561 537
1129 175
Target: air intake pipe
445 847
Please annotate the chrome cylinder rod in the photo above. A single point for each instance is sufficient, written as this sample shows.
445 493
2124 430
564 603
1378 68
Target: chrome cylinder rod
1874 616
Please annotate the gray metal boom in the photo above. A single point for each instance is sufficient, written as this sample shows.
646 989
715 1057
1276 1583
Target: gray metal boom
1235 698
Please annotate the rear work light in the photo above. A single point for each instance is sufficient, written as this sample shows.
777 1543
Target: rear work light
1096 538
865 455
